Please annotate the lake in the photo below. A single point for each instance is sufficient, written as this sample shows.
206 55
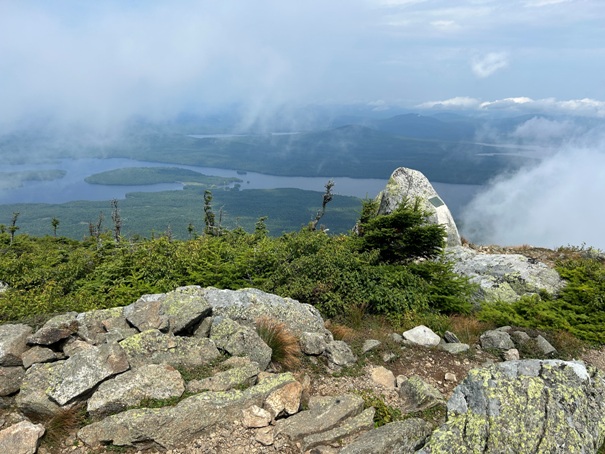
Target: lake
72 187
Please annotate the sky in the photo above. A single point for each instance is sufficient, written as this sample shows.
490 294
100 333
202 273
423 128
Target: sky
108 60
100 63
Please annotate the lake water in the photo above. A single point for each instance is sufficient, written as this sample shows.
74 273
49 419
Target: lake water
72 187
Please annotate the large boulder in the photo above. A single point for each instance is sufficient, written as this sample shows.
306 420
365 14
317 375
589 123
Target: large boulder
411 185
246 306
178 311
504 277
528 406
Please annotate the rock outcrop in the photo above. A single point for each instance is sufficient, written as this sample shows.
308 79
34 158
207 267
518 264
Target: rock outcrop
171 367
411 185
529 406
504 277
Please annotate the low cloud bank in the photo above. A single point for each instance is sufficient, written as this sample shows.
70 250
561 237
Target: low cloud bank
556 203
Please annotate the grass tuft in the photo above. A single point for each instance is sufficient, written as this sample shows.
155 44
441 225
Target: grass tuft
63 424
339 331
284 345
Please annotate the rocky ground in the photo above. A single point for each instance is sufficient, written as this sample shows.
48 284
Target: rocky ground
429 363
441 369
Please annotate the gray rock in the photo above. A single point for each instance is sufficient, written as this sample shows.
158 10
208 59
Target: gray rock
504 277
10 380
511 355
204 329
131 388
155 347
528 406
370 344
455 349
520 338
411 185
57 328
417 395
339 354
146 313
32 400
324 413
170 427
312 343
3 287
239 340
499 340
21 438
180 310
84 370
246 306
422 335
451 338
397 338
38 354
545 347
92 324
399 437
352 426
13 342
74 345
237 377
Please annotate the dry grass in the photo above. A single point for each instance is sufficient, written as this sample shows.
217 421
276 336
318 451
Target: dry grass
64 423
468 329
340 332
284 345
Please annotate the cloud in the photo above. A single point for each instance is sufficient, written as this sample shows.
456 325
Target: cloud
522 104
556 203
541 3
489 64
459 103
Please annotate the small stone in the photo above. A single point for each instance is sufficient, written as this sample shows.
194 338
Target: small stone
545 347
397 337
255 417
511 355
454 349
37 354
422 335
451 338
388 356
264 436
450 377
383 377
370 344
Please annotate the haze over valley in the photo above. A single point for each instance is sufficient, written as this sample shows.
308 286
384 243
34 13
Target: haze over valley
498 105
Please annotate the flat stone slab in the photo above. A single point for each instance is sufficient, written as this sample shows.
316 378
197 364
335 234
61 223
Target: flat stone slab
155 347
170 427
324 413
84 370
57 328
399 437
132 387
